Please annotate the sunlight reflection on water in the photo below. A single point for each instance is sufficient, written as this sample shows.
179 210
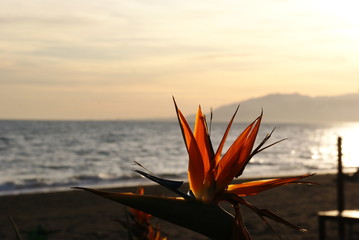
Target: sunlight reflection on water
48 154
350 146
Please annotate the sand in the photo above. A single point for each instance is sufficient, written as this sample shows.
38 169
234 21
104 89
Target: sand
76 214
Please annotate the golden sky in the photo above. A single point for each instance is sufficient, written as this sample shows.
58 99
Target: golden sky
107 59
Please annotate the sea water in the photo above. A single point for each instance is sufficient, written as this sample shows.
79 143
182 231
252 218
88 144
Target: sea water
52 155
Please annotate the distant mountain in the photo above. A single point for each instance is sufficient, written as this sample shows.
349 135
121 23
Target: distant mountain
293 108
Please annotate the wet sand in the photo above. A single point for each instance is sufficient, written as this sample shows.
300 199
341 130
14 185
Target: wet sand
76 214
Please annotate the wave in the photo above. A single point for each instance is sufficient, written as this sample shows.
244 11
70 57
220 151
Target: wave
52 156
36 185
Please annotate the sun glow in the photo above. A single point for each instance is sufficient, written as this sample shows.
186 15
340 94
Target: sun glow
350 147
342 14
345 10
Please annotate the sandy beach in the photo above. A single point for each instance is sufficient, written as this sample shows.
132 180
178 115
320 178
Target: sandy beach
76 214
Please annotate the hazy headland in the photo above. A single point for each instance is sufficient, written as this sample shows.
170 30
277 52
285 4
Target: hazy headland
293 108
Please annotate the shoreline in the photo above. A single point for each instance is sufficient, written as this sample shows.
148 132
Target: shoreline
140 182
76 214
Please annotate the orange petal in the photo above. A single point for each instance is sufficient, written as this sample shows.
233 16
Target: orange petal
141 190
140 216
196 172
254 187
203 141
248 146
217 157
236 157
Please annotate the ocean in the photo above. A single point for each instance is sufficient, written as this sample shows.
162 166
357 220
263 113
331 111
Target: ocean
42 156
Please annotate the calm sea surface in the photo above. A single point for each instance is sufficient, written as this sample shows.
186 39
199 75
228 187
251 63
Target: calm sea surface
52 155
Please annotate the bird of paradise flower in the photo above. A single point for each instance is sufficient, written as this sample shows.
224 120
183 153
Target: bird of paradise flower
141 226
210 175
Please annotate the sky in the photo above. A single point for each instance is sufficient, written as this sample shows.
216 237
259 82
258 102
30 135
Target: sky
125 59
